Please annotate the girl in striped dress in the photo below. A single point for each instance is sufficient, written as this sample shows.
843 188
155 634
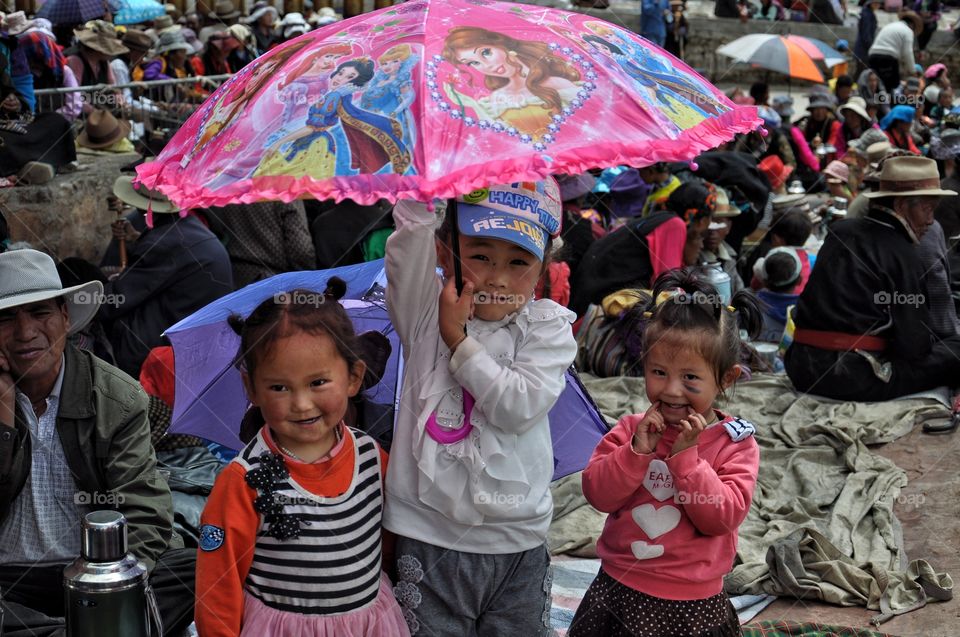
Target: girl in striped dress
290 537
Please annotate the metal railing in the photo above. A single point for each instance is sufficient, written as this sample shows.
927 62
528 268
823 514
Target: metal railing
149 106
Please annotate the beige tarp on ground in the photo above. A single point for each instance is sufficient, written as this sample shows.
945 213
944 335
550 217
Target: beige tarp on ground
822 524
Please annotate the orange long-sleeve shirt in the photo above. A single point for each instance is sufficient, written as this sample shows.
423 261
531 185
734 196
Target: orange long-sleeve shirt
222 572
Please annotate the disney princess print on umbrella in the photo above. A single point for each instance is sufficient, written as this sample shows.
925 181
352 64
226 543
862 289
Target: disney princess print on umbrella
434 99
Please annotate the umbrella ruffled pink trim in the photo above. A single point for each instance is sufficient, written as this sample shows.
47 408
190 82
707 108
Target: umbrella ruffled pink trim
174 181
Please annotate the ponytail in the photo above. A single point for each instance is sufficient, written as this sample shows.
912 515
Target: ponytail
687 311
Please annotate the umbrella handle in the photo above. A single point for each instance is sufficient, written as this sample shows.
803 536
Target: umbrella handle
455 246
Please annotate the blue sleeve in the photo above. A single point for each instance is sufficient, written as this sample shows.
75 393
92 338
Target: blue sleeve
24 86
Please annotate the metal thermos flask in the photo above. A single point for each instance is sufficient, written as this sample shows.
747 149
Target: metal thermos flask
719 279
107 590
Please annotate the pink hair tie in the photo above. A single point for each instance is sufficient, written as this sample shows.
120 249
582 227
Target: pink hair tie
449 436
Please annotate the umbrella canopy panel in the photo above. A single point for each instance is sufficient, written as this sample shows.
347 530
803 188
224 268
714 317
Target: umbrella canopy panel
818 50
75 11
775 53
138 11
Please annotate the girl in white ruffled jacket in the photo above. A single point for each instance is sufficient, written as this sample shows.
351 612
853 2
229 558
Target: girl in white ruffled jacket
468 485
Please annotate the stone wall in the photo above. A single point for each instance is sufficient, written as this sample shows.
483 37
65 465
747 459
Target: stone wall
68 216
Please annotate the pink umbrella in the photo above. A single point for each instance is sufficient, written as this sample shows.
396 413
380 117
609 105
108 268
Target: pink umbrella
439 98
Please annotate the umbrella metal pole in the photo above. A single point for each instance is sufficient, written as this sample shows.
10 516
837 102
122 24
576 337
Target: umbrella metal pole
455 245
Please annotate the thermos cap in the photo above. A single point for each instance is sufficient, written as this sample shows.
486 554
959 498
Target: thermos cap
103 536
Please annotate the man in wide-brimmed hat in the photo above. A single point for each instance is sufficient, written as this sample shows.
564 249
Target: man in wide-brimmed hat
945 149
224 15
15 23
103 131
98 45
74 437
138 45
715 247
863 321
176 267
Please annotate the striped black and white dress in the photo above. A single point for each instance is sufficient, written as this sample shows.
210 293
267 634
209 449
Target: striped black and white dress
330 576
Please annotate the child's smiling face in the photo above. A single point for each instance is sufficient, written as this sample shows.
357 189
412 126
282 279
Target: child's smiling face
503 274
302 385
682 380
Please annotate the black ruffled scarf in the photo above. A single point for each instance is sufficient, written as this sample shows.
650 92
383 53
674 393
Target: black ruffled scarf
265 478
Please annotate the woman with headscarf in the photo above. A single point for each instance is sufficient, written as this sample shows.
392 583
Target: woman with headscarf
31 147
897 124
873 92
50 70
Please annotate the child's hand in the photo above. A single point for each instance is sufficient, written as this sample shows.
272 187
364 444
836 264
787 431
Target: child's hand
649 430
455 311
690 430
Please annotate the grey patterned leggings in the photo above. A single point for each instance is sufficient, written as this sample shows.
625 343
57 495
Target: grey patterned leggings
447 593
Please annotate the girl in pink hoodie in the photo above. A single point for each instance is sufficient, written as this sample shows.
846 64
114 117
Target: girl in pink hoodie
677 480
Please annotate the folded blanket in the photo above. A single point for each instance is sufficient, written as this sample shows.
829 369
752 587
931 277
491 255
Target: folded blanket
792 629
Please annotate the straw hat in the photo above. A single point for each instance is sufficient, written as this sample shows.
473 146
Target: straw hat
101 36
293 23
869 137
326 15
786 204
260 9
102 130
172 41
16 23
820 100
724 209
138 40
857 105
224 10
141 197
909 177
163 22
30 276
876 152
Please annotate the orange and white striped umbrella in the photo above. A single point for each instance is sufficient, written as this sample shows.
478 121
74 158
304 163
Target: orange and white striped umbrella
791 55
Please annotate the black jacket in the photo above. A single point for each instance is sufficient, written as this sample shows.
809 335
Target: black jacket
175 269
867 270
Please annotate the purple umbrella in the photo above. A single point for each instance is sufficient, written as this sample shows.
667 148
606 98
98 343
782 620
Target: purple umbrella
210 401
76 11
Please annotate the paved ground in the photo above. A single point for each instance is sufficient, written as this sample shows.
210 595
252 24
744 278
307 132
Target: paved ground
929 510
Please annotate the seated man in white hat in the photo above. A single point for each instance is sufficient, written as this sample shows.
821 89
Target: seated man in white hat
715 248
862 322
74 438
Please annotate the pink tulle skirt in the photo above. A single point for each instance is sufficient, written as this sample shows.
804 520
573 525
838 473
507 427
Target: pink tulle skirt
382 619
